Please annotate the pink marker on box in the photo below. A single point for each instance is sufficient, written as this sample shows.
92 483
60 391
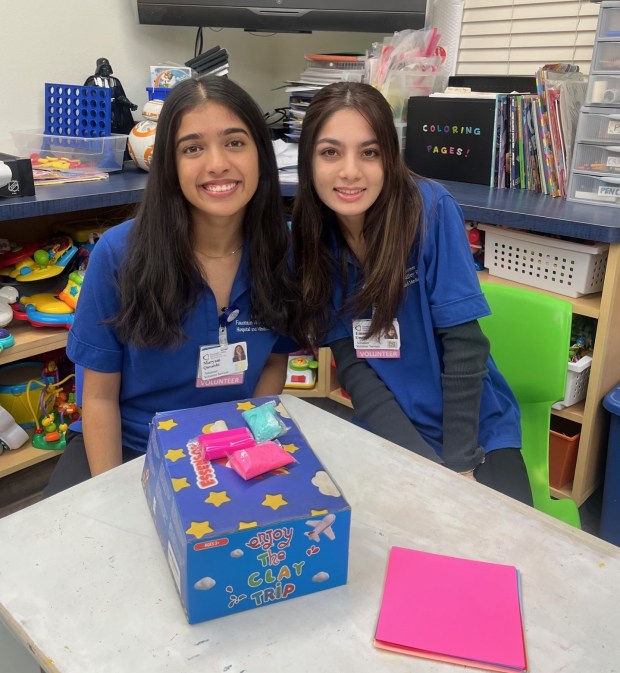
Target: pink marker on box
219 444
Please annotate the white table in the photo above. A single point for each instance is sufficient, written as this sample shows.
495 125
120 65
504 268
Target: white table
85 586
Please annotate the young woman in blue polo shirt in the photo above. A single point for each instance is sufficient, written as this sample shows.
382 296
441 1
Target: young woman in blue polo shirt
201 271
387 280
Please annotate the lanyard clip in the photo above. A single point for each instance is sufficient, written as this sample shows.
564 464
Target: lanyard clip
229 313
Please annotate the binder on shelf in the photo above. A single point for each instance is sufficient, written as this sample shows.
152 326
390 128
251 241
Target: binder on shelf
451 138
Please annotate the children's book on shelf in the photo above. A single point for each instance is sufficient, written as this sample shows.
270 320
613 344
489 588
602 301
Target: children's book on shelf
452 609
499 161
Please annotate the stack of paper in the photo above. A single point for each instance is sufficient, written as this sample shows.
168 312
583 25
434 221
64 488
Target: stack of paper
452 609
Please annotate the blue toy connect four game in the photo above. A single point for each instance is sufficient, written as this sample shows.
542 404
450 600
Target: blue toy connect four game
78 111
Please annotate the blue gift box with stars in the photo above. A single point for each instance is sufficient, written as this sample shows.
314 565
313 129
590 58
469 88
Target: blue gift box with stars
232 544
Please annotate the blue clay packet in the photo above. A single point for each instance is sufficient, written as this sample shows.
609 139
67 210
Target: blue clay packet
264 422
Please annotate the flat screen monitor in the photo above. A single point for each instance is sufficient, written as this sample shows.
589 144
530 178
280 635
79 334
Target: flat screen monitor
376 16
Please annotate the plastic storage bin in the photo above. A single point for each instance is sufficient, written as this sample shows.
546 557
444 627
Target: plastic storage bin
598 158
76 154
402 84
609 23
601 125
603 90
603 190
571 269
610 512
563 446
157 93
607 57
577 379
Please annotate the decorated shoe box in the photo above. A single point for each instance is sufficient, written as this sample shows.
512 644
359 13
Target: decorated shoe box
233 544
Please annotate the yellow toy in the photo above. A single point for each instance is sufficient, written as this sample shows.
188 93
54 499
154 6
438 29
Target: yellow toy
50 310
48 261
72 289
47 302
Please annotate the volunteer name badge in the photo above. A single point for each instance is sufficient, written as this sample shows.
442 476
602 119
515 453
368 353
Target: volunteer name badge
222 365
385 346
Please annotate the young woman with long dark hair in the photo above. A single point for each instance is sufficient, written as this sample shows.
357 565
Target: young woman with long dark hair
202 268
387 280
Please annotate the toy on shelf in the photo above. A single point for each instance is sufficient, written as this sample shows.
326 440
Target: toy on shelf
56 410
48 260
8 297
84 234
121 106
301 371
12 253
142 136
583 333
11 435
51 310
19 381
476 244
77 111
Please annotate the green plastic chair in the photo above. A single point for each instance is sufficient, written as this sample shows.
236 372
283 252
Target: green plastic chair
530 337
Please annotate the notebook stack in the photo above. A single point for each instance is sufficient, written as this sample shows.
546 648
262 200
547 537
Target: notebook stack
321 70
214 61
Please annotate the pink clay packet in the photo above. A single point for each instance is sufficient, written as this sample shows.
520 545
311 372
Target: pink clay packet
221 444
258 459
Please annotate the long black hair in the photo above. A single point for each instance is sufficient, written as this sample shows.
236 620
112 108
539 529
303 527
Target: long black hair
391 224
161 279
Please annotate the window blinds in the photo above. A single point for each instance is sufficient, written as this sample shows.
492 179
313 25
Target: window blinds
516 37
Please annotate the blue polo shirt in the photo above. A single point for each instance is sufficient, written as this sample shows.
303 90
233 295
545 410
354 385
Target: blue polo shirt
154 380
441 290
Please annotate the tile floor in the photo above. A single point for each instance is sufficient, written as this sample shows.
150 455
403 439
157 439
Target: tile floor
26 487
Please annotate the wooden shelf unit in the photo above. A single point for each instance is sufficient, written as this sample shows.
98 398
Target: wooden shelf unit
25 456
31 342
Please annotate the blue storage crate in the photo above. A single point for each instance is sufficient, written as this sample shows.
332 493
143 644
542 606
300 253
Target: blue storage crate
610 514
158 93
78 111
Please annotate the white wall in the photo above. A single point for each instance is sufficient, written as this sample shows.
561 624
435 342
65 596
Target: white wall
60 42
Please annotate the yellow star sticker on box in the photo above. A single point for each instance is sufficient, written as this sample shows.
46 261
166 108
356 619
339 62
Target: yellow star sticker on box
291 448
245 406
280 470
244 525
217 498
199 529
178 484
166 425
318 512
274 501
175 454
